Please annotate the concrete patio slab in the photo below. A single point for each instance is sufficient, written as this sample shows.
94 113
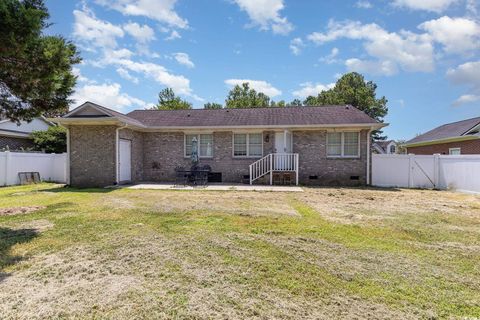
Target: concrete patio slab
215 187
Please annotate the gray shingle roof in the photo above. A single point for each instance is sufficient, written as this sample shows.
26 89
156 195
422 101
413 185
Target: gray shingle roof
271 116
449 130
383 144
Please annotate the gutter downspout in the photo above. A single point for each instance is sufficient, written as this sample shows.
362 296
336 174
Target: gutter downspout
67 169
369 138
117 153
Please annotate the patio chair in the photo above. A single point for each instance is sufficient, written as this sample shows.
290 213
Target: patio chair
181 176
207 167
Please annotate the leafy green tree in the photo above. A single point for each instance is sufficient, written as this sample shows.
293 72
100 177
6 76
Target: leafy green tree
245 97
280 103
295 103
35 70
352 89
52 140
212 105
310 101
167 100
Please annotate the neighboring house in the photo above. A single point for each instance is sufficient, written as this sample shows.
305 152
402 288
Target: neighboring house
320 145
461 137
384 147
17 137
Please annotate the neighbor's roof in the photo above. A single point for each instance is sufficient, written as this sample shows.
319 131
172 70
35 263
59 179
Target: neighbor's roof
383 144
269 117
448 131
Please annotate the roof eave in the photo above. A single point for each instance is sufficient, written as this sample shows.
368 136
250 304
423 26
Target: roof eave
132 124
372 126
94 121
14 134
438 141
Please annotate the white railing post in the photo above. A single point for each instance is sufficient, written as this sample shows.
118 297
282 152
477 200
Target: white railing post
296 169
271 168
250 168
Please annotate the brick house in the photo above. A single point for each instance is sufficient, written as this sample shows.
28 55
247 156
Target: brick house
461 137
319 145
15 136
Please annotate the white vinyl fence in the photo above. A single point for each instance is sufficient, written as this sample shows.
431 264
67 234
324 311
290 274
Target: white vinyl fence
453 172
52 167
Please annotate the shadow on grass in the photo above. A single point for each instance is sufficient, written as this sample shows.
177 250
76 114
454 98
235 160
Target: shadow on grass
71 189
386 189
9 238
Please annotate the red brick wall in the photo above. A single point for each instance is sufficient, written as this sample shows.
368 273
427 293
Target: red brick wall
467 147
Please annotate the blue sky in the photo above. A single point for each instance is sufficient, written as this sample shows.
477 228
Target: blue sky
423 55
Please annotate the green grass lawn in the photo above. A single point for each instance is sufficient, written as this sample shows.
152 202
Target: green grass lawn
321 254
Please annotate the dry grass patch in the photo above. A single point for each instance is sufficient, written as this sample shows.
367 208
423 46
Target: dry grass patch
237 203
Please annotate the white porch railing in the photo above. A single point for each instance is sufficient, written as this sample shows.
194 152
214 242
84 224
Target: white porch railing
281 162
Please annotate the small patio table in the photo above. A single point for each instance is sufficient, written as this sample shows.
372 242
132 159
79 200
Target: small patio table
196 177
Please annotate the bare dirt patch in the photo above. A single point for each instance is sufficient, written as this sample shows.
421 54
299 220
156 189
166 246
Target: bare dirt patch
19 210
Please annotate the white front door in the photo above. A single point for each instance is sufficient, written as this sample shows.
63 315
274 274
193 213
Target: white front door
125 160
280 142
283 144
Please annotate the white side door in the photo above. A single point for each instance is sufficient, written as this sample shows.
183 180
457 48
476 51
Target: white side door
280 142
125 160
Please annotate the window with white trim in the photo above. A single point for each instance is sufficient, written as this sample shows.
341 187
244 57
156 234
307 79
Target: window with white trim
247 144
455 151
343 144
204 145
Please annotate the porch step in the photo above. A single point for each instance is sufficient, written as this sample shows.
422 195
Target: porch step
273 163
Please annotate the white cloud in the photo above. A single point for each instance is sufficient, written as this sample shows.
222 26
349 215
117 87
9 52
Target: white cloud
330 58
178 83
457 35
466 74
385 67
363 4
183 59
405 50
107 95
311 89
472 7
126 75
465 99
80 78
296 46
266 15
159 10
119 54
142 34
427 5
258 85
95 32
173 35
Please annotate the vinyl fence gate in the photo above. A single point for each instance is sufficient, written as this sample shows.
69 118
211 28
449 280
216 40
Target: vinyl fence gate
454 172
